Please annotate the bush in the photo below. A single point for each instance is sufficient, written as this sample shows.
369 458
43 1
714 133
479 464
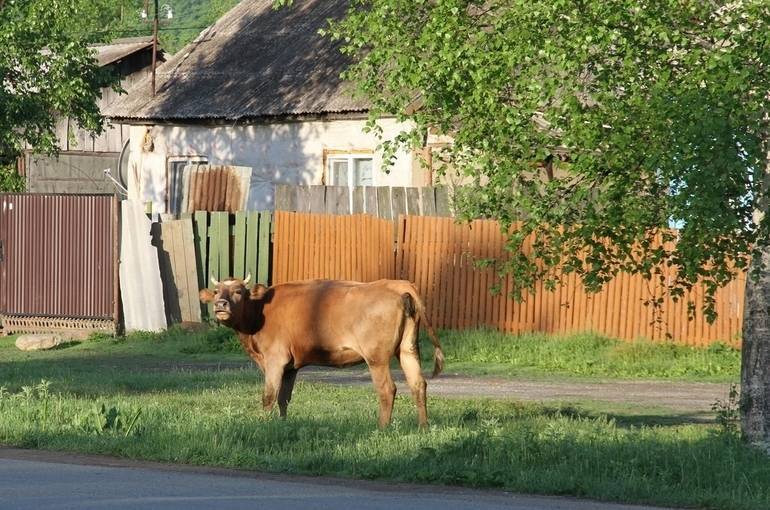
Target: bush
10 181
213 340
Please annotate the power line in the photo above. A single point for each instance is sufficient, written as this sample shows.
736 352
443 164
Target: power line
140 31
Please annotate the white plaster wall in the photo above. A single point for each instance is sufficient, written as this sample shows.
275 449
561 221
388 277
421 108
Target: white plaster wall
289 153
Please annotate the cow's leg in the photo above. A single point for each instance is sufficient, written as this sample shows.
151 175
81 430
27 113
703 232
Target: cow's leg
386 390
409 357
273 377
287 385
410 364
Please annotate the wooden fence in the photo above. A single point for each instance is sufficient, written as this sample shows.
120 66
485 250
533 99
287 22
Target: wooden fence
381 201
438 256
355 247
203 244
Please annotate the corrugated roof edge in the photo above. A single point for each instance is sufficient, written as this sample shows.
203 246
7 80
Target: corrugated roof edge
262 119
124 40
120 48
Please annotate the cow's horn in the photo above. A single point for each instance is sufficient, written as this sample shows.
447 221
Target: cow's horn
214 280
248 277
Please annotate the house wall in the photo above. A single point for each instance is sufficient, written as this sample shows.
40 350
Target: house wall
280 153
79 167
70 172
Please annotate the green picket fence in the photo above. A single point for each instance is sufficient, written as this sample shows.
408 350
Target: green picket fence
232 245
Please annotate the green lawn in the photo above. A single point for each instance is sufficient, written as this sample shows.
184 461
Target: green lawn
585 355
189 398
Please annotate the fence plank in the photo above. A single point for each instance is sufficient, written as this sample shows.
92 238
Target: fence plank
384 203
239 245
263 264
286 197
163 238
179 269
219 247
317 199
370 200
442 201
201 237
398 201
357 200
428 201
279 265
338 200
188 266
413 201
251 234
303 199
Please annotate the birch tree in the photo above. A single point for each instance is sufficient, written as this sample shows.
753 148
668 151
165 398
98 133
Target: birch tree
599 124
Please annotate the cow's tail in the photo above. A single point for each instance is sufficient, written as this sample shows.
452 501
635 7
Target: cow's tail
414 306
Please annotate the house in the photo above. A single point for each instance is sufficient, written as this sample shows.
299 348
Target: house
259 89
79 167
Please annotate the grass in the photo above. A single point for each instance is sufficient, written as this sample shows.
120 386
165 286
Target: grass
189 398
483 352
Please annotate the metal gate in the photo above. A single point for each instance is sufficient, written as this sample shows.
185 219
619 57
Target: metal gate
58 262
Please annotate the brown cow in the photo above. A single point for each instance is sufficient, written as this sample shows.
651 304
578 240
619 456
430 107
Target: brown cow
330 323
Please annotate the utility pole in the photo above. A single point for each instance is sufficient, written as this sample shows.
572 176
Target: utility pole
154 45
155 23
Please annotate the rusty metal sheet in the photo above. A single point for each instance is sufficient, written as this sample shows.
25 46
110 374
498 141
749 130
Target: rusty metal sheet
58 255
209 188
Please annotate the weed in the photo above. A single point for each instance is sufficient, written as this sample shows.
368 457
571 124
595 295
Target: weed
34 405
727 413
100 419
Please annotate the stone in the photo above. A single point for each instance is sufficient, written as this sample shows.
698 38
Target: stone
39 342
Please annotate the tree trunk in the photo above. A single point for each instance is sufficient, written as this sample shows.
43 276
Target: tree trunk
755 363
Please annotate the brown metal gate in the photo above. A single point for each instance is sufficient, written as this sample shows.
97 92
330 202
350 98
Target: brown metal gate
58 262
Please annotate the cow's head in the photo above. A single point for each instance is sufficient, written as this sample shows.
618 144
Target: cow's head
231 298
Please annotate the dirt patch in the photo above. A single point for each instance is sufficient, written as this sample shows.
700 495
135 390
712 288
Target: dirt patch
677 396
685 397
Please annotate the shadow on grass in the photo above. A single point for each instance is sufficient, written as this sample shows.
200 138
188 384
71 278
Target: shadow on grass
632 417
66 345
103 374
663 420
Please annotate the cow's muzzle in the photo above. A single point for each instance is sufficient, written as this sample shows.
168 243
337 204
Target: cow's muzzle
222 309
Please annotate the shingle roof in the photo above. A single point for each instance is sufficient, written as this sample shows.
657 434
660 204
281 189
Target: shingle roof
120 48
253 62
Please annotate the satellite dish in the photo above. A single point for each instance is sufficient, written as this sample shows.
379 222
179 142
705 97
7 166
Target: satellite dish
122 170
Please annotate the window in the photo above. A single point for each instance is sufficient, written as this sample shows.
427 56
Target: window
350 170
177 165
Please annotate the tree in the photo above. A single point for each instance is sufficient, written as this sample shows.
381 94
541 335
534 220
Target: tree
46 71
597 124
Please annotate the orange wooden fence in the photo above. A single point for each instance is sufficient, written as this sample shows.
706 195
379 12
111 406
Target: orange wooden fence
354 247
438 256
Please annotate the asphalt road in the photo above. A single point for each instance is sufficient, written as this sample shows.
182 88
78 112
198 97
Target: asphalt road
47 481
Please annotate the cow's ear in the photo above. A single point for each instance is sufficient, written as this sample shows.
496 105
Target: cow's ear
258 291
206 296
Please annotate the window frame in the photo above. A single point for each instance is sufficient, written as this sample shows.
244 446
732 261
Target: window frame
173 160
348 155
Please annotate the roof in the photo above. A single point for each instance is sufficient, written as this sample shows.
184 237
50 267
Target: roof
254 62
120 48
